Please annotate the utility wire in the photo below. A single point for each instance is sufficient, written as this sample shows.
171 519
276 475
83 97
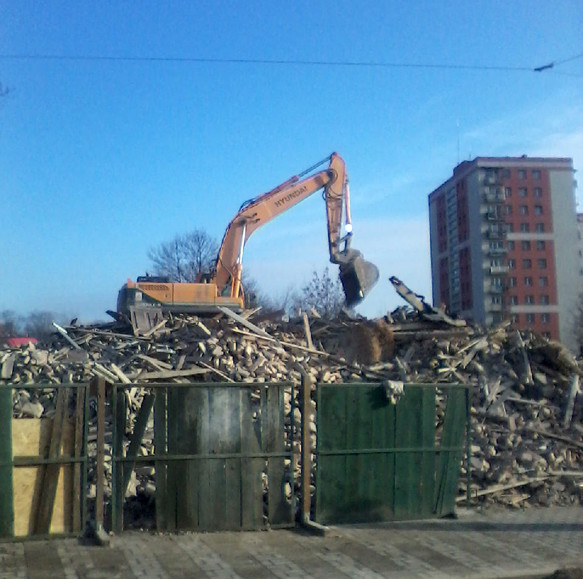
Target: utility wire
254 61
267 61
551 65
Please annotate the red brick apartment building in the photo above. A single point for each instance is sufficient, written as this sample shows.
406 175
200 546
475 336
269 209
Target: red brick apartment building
505 243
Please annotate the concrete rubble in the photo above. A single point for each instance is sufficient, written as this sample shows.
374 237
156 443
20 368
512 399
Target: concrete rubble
527 410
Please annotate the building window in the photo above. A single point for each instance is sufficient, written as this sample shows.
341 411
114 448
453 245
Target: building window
546 335
536 173
544 300
507 209
541 263
530 318
511 263
528 281
545 318
507 192
511 282
525 245
543 281
509 227
524 227
496 300
522 192
539 227
523 210
538 192
540 245
538 209
506 173
510 245
515 318
526 263
513 300
529 300
522 173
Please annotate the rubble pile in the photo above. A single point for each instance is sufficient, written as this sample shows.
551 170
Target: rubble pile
527 433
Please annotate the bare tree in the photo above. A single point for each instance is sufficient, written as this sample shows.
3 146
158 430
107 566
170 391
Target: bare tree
39 324
185 257
323 293
10 324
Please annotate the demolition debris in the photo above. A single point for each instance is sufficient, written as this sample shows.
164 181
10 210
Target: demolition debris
526 435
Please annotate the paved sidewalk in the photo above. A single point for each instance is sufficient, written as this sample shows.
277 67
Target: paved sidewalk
528 543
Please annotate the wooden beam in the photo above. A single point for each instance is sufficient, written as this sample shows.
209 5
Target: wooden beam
307 330
231 314
137 436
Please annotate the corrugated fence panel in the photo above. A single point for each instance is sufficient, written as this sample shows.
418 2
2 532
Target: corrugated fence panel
378 461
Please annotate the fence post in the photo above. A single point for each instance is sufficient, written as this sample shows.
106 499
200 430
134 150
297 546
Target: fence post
306 453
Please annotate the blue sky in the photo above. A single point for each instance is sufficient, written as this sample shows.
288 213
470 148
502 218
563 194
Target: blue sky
100 160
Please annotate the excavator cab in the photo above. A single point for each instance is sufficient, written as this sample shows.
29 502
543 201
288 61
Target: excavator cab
357 276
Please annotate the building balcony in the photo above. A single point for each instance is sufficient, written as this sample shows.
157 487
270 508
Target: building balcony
495 307
494 216
498 269
498 234
497 196
491 180
496 251
495 289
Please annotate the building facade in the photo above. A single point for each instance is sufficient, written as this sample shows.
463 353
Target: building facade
505 244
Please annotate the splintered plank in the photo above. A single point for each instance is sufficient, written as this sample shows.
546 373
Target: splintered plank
137 436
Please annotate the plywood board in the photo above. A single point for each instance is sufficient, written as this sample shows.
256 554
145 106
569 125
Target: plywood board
31 438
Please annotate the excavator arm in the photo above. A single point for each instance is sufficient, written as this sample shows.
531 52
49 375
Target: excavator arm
357 276
143 302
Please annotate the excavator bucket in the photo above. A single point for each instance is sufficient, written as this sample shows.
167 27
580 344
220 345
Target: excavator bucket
358 276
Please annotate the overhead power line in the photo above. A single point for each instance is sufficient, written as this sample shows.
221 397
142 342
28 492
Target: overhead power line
551 65
282 62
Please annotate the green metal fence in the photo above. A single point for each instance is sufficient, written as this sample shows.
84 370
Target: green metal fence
26 510
221 457
377 460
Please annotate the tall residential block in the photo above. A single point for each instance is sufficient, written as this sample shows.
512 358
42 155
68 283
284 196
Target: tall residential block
505 244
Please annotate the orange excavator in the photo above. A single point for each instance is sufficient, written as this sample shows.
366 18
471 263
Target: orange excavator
223 287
